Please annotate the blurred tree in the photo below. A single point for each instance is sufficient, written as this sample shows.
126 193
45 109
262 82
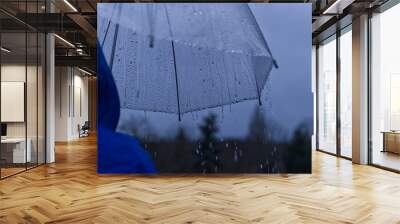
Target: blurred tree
130 125
298 156
264 130
207 153
181 141
181 136
137 127
258 128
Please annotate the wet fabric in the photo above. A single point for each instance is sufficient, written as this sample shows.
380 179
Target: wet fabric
179 58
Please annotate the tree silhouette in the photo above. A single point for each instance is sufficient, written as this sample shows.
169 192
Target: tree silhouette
181 136
298 157
181 142
263 130
258 127
207 153
137 127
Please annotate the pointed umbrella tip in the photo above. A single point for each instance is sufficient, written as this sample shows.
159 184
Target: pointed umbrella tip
275 63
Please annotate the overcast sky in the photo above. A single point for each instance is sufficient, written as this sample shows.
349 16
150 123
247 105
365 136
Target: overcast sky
287 97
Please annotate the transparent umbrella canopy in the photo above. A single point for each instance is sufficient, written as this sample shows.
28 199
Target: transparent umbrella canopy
180 58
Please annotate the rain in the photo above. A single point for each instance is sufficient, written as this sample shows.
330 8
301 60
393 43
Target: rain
174 85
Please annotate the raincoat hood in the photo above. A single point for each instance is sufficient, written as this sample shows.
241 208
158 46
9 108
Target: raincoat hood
117 153
108 100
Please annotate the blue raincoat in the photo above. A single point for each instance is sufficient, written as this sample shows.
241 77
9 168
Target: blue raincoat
117 153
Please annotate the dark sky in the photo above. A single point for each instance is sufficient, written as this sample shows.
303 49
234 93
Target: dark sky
287 97
287 28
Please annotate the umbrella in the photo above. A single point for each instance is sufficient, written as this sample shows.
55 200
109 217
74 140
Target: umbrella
180 58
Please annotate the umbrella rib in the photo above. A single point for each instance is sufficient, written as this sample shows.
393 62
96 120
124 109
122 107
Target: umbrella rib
175 71
176 81
115 40
258 90
263 37
108 26
268 49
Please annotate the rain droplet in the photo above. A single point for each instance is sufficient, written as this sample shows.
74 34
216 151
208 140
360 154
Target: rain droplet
235 156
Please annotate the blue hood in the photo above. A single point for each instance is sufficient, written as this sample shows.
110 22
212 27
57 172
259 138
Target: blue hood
108 100
117 153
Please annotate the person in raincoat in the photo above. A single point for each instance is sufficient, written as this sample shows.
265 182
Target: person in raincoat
117 153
